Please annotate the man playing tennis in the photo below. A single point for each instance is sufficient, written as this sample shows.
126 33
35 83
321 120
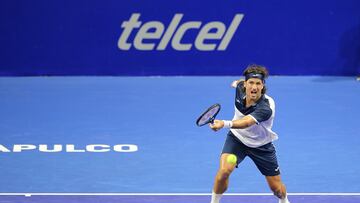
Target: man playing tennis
250 134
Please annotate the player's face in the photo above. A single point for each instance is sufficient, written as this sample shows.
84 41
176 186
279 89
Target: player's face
253 88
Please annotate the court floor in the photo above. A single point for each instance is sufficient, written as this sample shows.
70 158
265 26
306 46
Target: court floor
176 198
134 139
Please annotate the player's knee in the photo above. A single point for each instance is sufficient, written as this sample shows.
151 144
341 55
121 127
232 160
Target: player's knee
224 174
278 191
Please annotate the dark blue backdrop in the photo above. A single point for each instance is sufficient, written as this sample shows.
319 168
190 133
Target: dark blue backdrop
80 37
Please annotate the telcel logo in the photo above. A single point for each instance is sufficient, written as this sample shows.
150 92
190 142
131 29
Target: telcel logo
154 30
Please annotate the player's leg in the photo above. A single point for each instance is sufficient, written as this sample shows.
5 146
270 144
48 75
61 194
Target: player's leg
231 146
278 188
223 174
265 160
222 178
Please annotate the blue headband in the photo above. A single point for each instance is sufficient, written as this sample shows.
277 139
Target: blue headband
255 75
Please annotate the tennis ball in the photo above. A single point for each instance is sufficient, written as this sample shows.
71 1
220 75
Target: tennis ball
231 159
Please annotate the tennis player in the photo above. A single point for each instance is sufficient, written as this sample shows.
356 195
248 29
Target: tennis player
250 134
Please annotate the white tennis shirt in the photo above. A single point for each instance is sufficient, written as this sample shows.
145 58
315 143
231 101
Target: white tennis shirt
263 112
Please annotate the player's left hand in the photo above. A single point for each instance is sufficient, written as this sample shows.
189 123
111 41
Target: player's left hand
235 83
217 125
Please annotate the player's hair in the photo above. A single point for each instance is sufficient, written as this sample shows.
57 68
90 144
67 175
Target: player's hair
257 69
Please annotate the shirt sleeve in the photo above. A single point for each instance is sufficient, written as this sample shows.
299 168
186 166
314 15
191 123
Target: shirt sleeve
261 113
239 90
240 85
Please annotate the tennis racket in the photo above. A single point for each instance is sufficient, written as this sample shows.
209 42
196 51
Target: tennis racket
209 115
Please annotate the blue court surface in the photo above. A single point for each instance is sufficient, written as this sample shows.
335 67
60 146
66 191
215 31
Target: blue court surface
179 198
134 139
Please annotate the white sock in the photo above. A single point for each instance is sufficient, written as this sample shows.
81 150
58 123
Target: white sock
215 198
285 200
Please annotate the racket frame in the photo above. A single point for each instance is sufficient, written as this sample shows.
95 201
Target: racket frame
212 118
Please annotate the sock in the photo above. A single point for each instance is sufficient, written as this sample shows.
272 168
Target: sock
285 200
215 198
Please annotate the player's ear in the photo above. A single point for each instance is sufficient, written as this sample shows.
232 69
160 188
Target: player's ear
243 88
263 91
244 83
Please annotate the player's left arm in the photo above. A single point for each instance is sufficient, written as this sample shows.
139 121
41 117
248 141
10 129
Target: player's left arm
235 83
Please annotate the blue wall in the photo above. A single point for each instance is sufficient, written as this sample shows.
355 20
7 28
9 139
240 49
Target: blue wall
80 37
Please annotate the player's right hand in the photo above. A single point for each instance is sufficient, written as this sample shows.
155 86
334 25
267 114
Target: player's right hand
217 125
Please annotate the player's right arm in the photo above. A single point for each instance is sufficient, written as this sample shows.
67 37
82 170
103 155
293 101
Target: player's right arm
242 123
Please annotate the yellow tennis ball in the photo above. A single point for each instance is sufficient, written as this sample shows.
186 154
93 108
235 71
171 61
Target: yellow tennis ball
231 159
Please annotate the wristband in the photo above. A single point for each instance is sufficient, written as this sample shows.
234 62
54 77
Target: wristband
227 124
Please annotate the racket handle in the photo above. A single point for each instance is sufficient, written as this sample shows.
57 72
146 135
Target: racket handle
212 120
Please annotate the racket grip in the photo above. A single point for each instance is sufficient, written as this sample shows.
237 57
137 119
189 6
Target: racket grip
212 120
